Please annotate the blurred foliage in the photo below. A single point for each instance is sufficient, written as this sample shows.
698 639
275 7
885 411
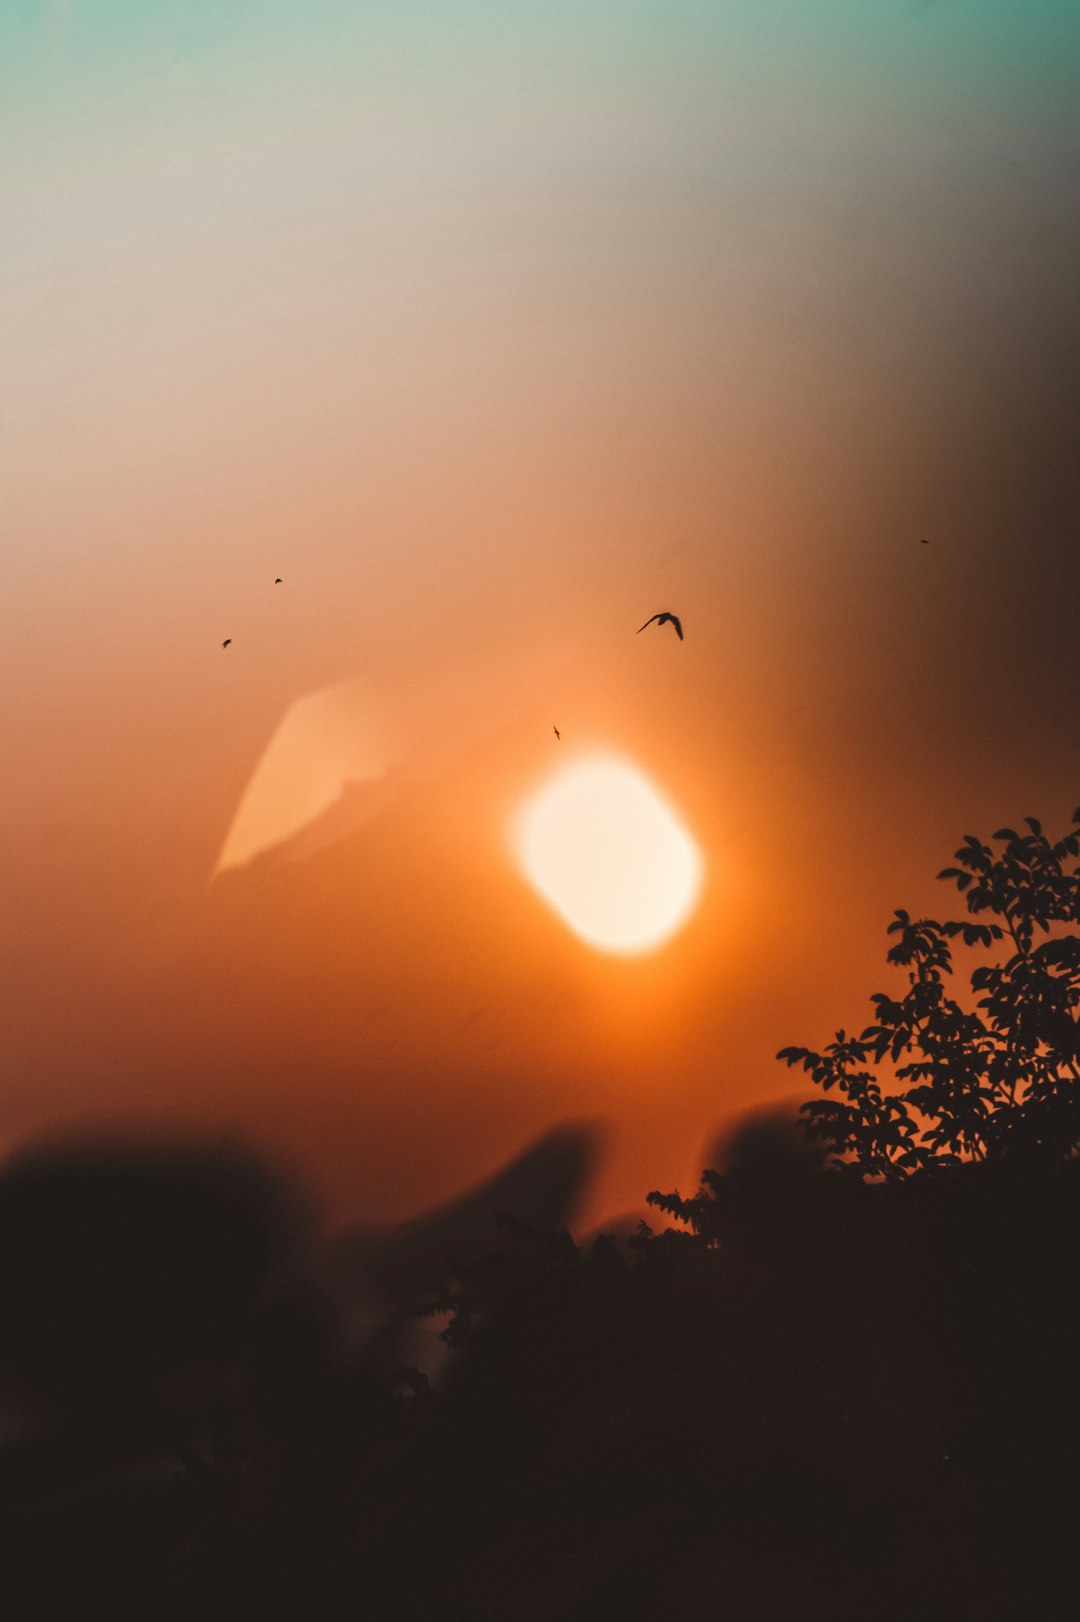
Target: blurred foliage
821 1395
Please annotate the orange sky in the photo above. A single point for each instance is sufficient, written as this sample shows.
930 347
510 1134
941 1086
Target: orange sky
491 353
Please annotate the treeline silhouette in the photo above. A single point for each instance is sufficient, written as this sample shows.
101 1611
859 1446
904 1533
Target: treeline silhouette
841 1381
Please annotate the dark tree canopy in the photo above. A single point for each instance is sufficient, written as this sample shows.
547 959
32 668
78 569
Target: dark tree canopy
824 1395
941 1077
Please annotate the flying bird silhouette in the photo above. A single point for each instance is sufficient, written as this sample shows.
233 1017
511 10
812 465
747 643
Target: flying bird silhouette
227 642
277 582
557 733
924 541
662 619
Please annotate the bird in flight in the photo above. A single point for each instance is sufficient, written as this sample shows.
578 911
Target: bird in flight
227 642
924 541
557 733
277 582
662 619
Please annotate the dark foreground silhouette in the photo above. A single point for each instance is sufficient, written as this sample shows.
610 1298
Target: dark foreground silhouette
845 1385
862 1401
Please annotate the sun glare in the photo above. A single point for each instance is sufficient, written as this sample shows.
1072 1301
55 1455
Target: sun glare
610 856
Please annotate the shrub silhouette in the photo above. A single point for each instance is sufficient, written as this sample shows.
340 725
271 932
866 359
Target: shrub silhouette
937 1079
825 1394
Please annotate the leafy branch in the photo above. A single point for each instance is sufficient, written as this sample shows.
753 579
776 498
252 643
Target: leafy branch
999 1076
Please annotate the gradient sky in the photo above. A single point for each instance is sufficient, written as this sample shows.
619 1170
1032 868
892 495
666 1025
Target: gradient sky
493 329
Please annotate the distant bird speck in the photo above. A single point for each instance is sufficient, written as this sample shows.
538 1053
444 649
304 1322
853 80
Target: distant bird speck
923 541
227 642
663 619
557 733
277 582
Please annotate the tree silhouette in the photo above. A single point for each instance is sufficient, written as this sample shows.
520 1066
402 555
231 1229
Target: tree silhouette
938 1079
819 1395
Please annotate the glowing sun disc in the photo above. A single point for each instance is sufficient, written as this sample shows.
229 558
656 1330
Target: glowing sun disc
609 856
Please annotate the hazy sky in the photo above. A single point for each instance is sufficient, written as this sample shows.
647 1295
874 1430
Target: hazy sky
493 329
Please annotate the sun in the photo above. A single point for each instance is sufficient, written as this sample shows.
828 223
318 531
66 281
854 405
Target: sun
607 853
